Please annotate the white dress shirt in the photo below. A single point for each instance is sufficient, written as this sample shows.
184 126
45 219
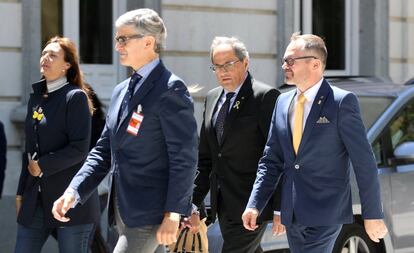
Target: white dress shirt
310 95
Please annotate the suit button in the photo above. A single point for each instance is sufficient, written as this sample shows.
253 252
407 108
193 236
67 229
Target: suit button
297 166
219 154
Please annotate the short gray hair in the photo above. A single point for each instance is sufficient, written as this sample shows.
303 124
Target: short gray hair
239 48
313 43
147 22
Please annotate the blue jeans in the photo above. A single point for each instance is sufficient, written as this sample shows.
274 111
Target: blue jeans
71 239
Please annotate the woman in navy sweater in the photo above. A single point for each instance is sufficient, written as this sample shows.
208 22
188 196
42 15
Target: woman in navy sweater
58 129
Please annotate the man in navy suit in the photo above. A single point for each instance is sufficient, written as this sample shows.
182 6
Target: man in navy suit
316 131
149 143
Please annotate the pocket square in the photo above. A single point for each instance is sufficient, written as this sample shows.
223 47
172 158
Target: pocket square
323 120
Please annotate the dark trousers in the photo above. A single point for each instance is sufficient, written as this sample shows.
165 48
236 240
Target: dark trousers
71 239
237 239
319 239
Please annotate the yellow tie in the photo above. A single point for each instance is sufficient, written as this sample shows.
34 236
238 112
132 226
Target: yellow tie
298 124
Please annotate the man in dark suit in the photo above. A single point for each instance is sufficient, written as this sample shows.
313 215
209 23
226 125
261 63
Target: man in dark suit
316 132
233 134
3 159
149 143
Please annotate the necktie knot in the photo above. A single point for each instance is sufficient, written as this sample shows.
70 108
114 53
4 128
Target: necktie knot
301 98
133 81
230 95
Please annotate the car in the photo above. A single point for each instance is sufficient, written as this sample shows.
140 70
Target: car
388 113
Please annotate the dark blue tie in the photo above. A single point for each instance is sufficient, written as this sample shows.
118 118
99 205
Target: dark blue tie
123 110
221 117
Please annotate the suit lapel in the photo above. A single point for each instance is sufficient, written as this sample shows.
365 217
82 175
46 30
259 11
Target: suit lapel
245 92
286 108
141 92
315 112
210 106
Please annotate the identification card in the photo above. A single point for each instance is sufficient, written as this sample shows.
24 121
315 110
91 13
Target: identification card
135 123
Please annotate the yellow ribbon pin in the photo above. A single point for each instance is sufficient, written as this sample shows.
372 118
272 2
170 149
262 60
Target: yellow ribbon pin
38 116
237 105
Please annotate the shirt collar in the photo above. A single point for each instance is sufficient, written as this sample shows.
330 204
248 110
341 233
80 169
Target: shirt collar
310 94
145 70
236 91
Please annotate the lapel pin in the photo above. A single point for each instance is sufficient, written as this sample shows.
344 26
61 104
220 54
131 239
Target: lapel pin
38 114
237 105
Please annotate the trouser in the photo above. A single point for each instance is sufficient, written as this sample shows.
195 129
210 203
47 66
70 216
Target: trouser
71 239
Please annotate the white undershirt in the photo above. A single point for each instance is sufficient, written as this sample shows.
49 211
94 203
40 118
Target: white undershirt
56 84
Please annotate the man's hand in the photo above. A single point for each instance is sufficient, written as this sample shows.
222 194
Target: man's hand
34 168
192 222
167 232
62 206
249 218
375 229
278 228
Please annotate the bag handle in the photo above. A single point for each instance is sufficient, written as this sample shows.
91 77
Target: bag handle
200 244
179 239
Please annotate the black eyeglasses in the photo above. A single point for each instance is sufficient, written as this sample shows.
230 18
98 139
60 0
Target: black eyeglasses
226 67
291 61
123 40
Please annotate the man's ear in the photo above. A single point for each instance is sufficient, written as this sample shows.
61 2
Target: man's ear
246 63
316 64
149 41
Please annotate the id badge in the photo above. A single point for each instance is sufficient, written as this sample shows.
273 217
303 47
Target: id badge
135 123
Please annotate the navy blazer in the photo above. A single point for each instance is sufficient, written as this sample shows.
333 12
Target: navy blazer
3 153
334 136
152 172
62 136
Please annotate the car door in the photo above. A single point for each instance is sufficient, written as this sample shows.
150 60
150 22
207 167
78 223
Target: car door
397 178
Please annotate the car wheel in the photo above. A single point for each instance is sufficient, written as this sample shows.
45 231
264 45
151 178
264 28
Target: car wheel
353 239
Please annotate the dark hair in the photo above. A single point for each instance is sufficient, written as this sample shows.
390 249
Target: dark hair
74 74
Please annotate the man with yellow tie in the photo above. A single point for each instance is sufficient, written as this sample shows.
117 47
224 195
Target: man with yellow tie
316 131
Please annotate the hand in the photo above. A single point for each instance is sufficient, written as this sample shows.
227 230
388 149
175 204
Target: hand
193 223
19 200
167 232
62 206
34 168
278 228
249 218
375 229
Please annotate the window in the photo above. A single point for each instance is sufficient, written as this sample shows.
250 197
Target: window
95 31
400 130
51 19
402 127
337 23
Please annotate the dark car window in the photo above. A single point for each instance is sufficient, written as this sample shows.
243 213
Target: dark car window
400 129
372 108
